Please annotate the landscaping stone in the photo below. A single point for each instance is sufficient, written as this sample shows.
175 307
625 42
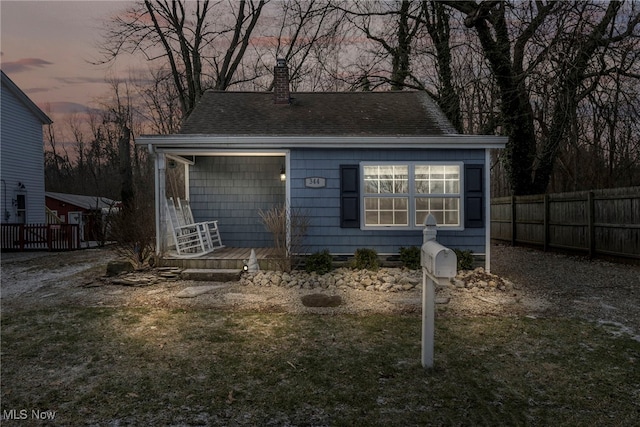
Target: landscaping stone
383 280
117 267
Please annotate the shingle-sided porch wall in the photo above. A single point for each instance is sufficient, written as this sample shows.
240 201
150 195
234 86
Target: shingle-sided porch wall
323 204
232 190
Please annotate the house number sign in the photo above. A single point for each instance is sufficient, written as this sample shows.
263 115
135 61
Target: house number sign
315 182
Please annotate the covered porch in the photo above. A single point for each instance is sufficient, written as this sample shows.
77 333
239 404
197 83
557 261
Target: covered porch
230 187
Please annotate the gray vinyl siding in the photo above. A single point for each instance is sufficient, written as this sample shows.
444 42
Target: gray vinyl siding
21 145
233 190
323 205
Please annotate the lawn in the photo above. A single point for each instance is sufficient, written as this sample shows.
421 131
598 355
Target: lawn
144 366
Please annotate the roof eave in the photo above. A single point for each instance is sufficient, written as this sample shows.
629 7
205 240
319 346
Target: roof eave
261 142
26 101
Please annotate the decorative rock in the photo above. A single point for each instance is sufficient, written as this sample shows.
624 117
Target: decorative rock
458 283
384 280
117 267
252 265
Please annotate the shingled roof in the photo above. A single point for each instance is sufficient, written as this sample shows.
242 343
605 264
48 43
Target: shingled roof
397 113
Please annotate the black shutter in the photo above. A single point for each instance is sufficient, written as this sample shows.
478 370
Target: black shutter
474 196
349 196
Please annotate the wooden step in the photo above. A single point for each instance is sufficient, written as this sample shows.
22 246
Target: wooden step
212 274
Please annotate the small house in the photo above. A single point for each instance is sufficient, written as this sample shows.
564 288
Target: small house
365 167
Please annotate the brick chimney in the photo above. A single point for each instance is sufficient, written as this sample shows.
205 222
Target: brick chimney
281 82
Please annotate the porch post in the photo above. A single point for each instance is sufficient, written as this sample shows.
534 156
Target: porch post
186 181
487 210
287 197
160 196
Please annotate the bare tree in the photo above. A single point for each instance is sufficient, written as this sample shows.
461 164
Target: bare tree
203 43
436 20
392 28
308 32
586 30
160 107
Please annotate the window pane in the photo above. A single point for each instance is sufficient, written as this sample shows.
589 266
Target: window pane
386 211
439 217
400 218
422 187
436 204
445 210
386 203
386 179
371 186
436 187
437 179
371 218
386 217
451 204
452 171
452 187
451 218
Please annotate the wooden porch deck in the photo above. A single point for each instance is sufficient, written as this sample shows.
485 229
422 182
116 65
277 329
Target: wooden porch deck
223 258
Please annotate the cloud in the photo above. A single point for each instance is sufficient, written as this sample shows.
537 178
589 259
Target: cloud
80 80
64 107
24 64
33 90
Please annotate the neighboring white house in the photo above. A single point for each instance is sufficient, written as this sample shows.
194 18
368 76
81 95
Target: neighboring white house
22 197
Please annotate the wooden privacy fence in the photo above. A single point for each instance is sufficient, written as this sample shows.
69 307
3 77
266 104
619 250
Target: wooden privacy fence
51 237
603 222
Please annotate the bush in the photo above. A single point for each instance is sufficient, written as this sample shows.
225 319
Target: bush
319 262
410 257
465 259
366 259
279 220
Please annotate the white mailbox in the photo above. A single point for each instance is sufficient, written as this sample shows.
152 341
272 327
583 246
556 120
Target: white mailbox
438 260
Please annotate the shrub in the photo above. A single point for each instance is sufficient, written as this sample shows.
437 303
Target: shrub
279 220
410 257
319 262
366 259
465 259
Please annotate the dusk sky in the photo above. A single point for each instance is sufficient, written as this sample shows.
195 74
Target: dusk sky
47 47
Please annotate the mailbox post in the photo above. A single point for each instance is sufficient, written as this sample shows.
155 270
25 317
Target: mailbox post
437 262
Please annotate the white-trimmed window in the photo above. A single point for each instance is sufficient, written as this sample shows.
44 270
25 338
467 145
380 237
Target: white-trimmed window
386 201
437 191
402 195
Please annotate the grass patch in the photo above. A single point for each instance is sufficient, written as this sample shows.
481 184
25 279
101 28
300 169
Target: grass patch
164 366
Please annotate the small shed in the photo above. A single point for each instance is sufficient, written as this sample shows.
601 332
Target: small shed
89 212
366 167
